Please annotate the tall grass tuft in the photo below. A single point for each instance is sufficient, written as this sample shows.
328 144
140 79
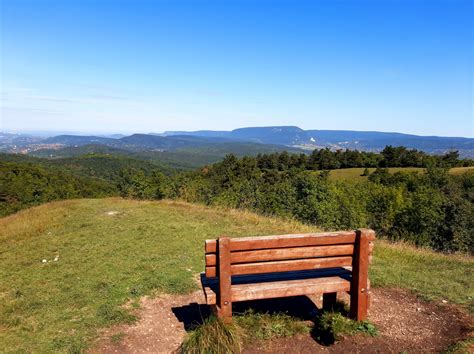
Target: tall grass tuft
213 336
260 326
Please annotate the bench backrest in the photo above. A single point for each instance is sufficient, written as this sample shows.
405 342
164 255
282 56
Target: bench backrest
282 253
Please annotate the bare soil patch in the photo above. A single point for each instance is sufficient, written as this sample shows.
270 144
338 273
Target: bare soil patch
405 323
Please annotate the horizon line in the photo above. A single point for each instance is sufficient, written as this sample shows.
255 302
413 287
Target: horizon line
148 132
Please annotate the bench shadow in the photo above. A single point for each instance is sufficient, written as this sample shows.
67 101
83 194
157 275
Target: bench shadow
192 315
300 307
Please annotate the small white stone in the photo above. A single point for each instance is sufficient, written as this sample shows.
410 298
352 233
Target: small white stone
444 301
44 261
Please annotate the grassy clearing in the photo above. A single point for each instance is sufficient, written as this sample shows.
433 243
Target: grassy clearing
101 253
107 251
355 174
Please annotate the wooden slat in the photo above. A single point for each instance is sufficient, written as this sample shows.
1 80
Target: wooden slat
288 288
244 292
282 241
210 295
282 289
211 272
211 257
284 253
343 272
290 265
284 266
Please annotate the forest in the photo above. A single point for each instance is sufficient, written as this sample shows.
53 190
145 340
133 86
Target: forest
432 209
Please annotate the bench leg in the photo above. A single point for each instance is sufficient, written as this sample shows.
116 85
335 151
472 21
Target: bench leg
224 303
359 281
359 304
329 301
224 313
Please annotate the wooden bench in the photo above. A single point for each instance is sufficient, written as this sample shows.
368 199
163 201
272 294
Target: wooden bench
251 268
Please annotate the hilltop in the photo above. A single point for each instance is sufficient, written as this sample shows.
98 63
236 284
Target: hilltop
68 267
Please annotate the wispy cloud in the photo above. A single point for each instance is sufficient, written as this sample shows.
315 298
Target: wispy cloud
92 99
54 99
109 97
31 110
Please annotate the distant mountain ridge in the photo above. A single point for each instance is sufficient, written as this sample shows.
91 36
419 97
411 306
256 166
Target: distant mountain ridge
249 140
341 139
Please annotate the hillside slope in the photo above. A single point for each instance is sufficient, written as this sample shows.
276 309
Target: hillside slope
67 267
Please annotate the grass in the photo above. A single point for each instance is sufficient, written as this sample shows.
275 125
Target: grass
332 326
434 276
355 174
215 337
101 253
463 347
108 251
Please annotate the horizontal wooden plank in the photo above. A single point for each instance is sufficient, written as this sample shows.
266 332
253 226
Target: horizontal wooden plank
210 295
257 291
344 272
290 265
211 272
284 266
282 241
211 257
244 292
284 253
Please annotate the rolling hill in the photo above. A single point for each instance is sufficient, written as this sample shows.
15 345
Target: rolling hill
67 268
182 153
208 146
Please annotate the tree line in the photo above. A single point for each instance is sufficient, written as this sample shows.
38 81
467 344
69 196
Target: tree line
326 159
433 208
23 185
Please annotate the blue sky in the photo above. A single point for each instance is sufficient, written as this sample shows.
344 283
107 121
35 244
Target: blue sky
150 66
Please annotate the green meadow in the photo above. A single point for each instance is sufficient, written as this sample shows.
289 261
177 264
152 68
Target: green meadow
355 174
66 268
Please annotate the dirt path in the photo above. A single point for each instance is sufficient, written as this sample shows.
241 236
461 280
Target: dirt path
405 323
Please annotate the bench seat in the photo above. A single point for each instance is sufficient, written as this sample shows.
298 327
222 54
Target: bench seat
285 284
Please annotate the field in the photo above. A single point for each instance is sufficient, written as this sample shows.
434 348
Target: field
67 267
355 174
